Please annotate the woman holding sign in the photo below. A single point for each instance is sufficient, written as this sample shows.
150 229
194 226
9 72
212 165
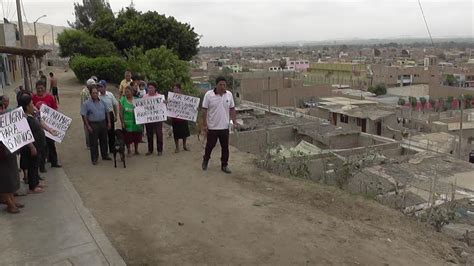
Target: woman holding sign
133 132
180 127
155 128
9 178
30 154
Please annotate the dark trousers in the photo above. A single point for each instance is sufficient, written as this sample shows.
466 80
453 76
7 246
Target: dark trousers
42 158
98 135
151 130
33 174
223 137
111 132
51 151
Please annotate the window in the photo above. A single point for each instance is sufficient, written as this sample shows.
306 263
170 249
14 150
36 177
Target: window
344 118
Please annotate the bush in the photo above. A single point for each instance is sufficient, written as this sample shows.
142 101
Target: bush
401 101
77 42
378 90
110 69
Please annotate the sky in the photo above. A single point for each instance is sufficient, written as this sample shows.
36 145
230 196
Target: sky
257 22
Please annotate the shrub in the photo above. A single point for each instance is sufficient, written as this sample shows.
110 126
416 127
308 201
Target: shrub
110 69
77 42
378 90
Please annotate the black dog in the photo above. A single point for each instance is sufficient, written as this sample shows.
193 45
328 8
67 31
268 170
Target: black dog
119 147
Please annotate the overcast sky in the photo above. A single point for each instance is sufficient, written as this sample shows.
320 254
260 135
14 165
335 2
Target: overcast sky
246 22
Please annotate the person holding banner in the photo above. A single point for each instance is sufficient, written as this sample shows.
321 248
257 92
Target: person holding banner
133 132
9 177
28 153
218 105
43 97
155 128
96 118
180 126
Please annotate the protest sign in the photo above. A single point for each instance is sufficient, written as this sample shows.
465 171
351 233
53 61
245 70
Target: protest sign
14 130
55 120
150 109
182 106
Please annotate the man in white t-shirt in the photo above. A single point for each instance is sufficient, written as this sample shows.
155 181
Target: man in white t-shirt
218 108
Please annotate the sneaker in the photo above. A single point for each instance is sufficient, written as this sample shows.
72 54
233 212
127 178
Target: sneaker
94 162
204 164
226 170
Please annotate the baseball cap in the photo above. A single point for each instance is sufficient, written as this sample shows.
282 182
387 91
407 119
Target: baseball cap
102 83
91 82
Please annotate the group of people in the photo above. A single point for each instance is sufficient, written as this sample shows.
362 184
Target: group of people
33 156
100 110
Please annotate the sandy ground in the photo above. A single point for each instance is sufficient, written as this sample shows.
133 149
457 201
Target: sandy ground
166 210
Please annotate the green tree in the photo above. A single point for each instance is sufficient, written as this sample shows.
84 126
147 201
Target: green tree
413 101
432 103
451 80
87 13
468 99
423 101
378 90
74 42
150 30
165 67
401 101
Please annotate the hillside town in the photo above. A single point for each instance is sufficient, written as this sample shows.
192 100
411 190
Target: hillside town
332 152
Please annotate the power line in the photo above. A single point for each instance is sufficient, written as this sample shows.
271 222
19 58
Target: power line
426 23
24 15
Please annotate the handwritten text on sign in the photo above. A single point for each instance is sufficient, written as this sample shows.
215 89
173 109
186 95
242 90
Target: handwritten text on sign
55 120
14 130
182 106
150 109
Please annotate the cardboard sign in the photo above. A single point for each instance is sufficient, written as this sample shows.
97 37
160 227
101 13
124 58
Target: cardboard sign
55 120
14 130
150 109
182 106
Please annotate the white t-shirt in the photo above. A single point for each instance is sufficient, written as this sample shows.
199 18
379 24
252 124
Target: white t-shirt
218 109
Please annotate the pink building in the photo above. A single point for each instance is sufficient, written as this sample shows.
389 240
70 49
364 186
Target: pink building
299 65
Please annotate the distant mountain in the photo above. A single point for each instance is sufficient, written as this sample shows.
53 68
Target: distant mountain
43 29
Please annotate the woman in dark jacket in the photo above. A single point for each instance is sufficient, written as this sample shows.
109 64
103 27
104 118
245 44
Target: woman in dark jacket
9 177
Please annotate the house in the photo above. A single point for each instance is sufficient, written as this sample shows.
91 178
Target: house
367 116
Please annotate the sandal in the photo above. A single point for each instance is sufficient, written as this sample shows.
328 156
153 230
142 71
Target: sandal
13 211
37 190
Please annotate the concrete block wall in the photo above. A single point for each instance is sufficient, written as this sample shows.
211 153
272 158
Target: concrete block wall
255 141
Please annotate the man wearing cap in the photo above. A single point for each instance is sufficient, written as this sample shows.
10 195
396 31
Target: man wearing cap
97 120
85 96
111 102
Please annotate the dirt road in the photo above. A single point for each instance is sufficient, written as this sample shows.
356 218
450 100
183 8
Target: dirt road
166 210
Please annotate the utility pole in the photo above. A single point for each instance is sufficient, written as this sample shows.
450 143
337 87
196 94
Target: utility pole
460 128
22 43
52 35
269 95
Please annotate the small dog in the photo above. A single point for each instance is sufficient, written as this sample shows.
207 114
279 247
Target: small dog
119 147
